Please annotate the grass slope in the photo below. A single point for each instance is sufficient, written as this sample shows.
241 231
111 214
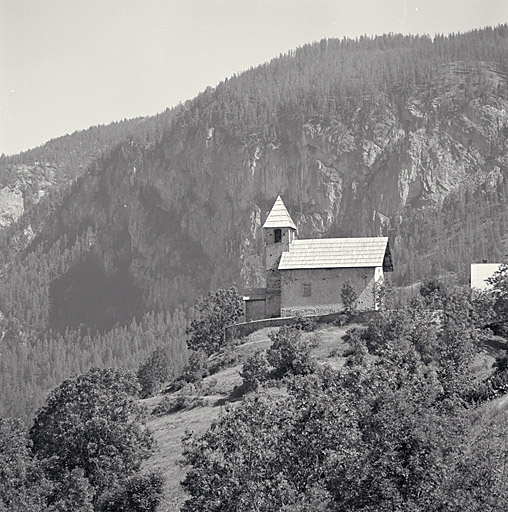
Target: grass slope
216 391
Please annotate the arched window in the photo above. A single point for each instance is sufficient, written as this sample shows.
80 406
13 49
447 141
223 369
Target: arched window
277 235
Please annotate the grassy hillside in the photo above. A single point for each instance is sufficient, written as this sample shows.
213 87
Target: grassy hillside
217 392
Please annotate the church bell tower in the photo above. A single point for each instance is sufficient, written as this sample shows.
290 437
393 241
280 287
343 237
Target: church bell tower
279 231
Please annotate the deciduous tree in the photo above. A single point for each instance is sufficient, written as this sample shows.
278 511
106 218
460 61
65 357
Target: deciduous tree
153 372
23 486
94 423
215 312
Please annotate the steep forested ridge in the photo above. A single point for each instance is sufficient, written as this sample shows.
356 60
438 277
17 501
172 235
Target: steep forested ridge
28 177
403 136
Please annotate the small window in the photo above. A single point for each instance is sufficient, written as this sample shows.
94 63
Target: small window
307 290
278 235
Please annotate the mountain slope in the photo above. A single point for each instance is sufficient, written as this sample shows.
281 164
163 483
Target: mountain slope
205 403
28 177
396 135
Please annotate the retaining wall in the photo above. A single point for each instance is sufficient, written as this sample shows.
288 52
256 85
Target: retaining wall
246 328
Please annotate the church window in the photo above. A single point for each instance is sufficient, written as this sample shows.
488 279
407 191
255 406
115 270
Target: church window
307 292
278 235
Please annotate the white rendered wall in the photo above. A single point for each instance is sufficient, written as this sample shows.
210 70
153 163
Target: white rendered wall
482 271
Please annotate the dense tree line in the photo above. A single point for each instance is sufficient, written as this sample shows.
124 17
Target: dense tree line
468 226
333 78
32 364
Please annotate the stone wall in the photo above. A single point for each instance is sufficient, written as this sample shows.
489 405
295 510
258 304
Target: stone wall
246 328
325 289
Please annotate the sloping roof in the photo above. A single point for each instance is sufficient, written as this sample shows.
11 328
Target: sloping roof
335 253
279 216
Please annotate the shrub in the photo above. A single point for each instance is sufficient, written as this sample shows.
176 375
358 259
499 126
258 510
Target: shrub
188 398
289 353
255 371
349 296
153 372
140 493
501 363
197 367
304 323
215 312
358 349
224 359
341 320
434 292
384 295
210 388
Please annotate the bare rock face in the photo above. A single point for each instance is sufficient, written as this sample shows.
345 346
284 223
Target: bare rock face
11 205
23 186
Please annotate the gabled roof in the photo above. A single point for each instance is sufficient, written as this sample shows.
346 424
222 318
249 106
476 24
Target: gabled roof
335 253
279 216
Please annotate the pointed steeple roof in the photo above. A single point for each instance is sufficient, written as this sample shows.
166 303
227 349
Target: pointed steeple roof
279 216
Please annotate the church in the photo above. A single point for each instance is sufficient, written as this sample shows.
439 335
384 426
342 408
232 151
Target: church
306 276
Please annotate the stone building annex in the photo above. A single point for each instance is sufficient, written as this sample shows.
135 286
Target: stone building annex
306 276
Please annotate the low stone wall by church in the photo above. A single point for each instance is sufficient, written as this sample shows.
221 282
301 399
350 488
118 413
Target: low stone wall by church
320 309
246 328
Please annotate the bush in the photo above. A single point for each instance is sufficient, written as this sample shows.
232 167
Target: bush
384 295
188 398
434 292
501 363
224 359
341 320
349 296
210 388
197 367
304 324
215 312
289 353
140 493
255 371
153 373
358 348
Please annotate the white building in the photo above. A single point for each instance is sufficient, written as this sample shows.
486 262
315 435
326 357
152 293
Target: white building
480 272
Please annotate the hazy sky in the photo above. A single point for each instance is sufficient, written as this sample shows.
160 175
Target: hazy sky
69 64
